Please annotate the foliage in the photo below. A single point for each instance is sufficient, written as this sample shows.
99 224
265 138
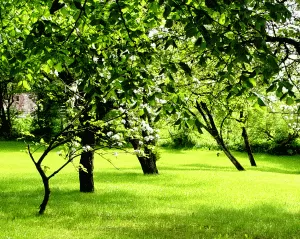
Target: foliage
22 127
182 139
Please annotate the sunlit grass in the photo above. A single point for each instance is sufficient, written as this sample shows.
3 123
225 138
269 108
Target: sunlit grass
196 195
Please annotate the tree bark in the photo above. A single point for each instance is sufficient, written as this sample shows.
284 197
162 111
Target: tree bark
233 160
213 131
246 140
86 175
46 195
147 162
248 147
5 119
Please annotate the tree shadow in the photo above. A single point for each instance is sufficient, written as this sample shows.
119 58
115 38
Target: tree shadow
117 211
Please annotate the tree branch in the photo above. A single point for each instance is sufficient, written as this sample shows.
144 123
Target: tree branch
290 41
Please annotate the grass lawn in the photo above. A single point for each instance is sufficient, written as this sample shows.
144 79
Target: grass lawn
196 195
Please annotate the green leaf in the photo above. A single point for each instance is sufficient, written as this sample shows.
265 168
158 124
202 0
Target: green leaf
271 61
283 96
46 68
289 101
24 84
252 81
271 88
230 35
260 102
29 76
222 19
58 67
190 29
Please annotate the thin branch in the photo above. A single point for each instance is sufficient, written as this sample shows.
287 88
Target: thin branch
124 22
107 160
30 154
75 24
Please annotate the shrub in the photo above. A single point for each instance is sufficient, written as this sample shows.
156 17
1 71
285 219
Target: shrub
182 139
21 126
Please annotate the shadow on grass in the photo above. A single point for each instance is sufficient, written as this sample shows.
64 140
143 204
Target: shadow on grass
278 164
124 214
200 167
12 146
116 210
259 222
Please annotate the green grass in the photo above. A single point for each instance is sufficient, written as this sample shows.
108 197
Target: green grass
196 195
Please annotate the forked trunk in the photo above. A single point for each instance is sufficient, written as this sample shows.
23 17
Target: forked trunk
213 131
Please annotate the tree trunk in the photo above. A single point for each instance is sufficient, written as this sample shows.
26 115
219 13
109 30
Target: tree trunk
46 195
6 128
86 179
248 147
229 155
213 131
147 162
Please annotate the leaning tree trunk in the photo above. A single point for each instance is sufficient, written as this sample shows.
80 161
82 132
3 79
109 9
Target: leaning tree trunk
213 131
86 175
248 147
229 154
